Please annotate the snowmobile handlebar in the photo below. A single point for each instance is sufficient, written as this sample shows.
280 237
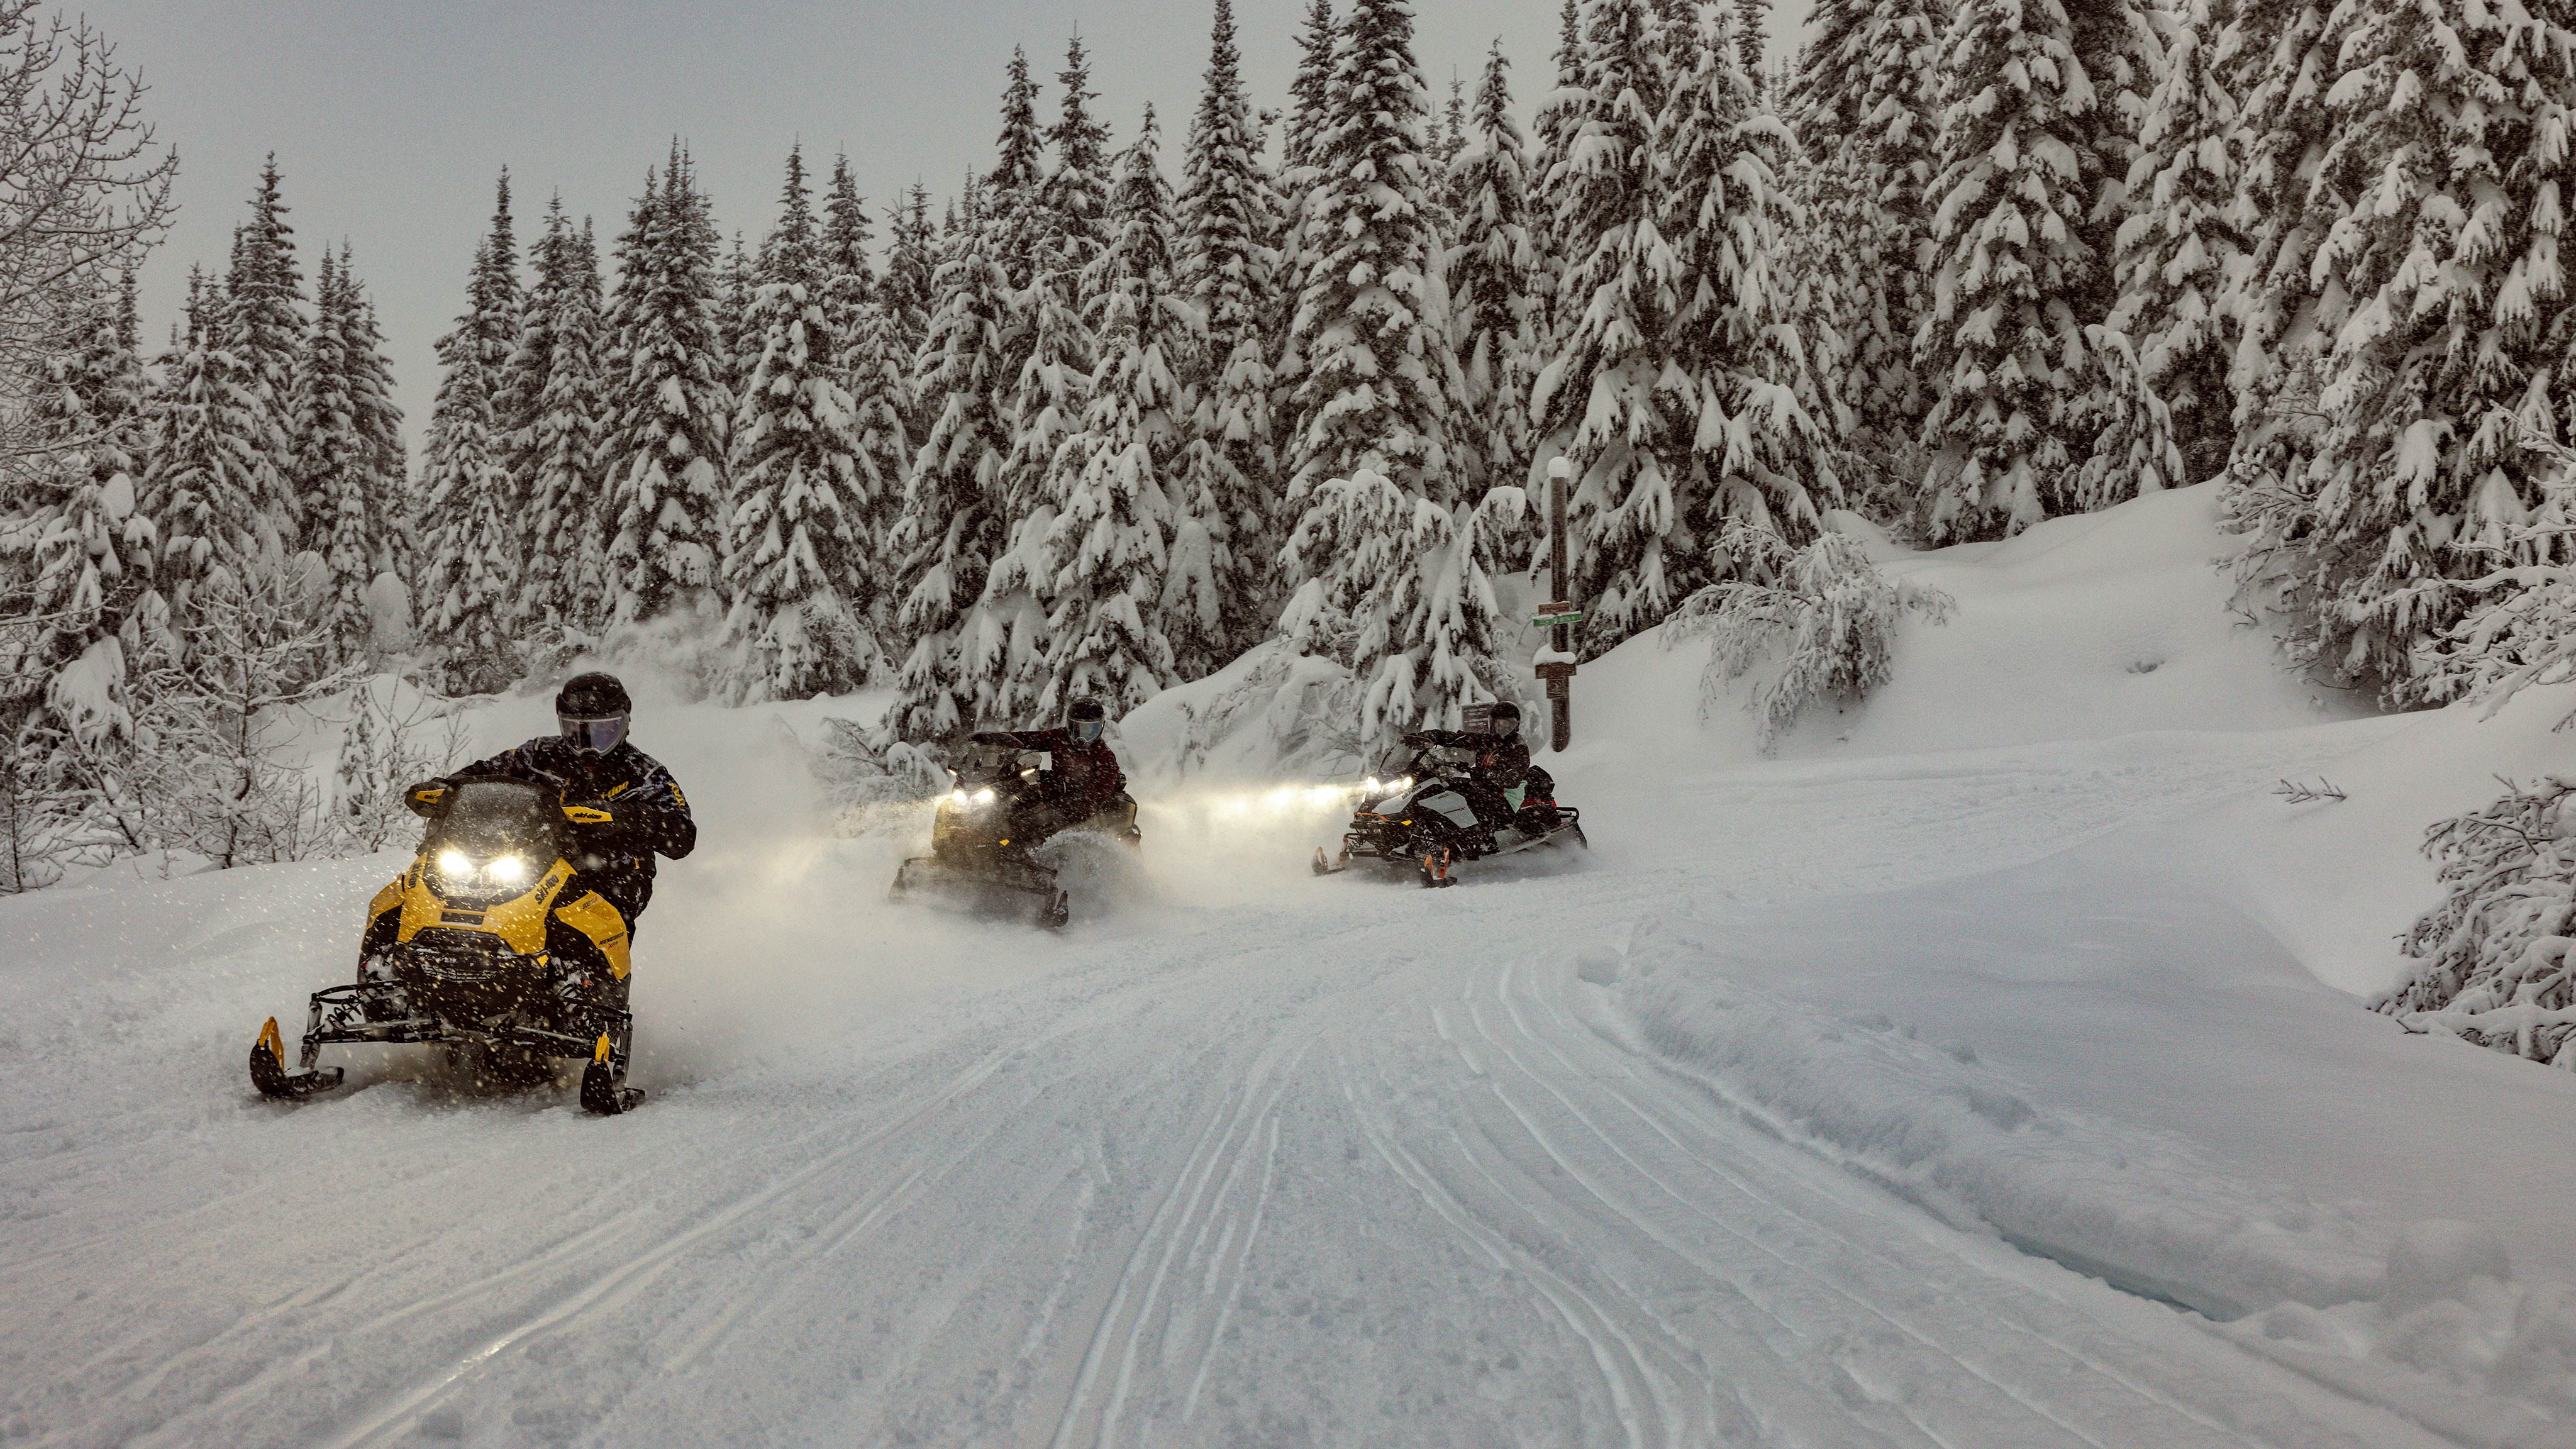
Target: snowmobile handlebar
430 798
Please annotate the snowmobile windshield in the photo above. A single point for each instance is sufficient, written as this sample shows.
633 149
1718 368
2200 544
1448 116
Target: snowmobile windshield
990 764
489 819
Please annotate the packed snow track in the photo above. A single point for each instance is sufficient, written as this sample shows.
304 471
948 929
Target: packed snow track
1243 1157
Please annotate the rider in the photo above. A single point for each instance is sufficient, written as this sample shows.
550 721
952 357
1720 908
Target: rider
591 762
1082 777
1502 762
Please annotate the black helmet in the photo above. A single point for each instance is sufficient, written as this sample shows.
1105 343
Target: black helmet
1504 719
1086 718
592 711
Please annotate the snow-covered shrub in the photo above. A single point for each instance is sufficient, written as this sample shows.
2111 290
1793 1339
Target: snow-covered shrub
216 729
1826 617
1302 709
386 749
870 775
2492 960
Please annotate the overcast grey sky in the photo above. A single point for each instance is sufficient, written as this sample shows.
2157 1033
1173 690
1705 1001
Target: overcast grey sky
391 118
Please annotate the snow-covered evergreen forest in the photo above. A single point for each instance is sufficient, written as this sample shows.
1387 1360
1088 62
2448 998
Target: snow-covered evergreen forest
1147 395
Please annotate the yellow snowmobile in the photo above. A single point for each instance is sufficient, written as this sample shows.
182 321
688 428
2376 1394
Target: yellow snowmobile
490 945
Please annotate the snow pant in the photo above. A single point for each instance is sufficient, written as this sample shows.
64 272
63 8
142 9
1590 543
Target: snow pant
1493 808
1042 817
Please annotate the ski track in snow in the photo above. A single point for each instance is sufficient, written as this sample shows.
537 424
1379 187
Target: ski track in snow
1297 1162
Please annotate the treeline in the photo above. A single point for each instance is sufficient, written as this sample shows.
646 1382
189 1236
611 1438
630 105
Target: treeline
1106 424
1099 433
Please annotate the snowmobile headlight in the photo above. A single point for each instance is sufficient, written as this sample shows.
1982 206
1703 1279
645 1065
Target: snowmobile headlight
507 869
959 798
1405 784
455 865
984 796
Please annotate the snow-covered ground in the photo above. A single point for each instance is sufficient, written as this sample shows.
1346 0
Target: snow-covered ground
1984 1070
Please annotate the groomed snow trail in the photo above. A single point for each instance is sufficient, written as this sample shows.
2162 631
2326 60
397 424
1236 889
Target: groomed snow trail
1257 1159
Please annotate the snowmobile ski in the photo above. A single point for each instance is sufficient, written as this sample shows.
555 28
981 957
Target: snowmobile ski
268 1067
603 1082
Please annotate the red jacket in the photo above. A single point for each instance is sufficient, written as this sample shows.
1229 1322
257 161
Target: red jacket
1086 773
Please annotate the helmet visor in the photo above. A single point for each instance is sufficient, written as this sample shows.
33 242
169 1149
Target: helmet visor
598 736
1087 731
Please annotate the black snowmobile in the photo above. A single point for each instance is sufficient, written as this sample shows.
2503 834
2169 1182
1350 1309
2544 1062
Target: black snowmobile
490 945
973 857
1424 821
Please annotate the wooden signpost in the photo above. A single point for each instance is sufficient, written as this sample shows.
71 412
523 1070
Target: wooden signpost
1558 616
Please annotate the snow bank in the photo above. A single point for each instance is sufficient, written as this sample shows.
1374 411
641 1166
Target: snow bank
1933 1122
2339 881
2424 1318
2082 628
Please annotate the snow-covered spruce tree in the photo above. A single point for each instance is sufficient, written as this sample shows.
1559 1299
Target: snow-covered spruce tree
1368 361
2268 59
841 252
1055 353
1219 596
664 395
796 535
1863 105
474 532
82 553
1310 92
1761 441
93 549
1752 27
334 473
1106 552
1493 306
736 284
1386 557
878 370
1077 191
951 527
2491 962
390 505
263 314
2179 250
1820 626
1600 398
2016 389
205 472
1013 193
556 451
2437 299
873 356
911 258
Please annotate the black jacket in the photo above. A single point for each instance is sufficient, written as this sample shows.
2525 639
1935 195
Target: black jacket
652 815
1504 762
1088 774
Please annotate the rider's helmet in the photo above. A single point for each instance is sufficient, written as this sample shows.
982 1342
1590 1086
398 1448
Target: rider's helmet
1504 721
1085 719
592 711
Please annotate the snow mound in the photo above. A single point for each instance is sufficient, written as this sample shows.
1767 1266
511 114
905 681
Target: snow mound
2082 628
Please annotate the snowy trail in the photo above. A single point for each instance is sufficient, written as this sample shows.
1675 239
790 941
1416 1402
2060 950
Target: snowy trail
1297 1161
